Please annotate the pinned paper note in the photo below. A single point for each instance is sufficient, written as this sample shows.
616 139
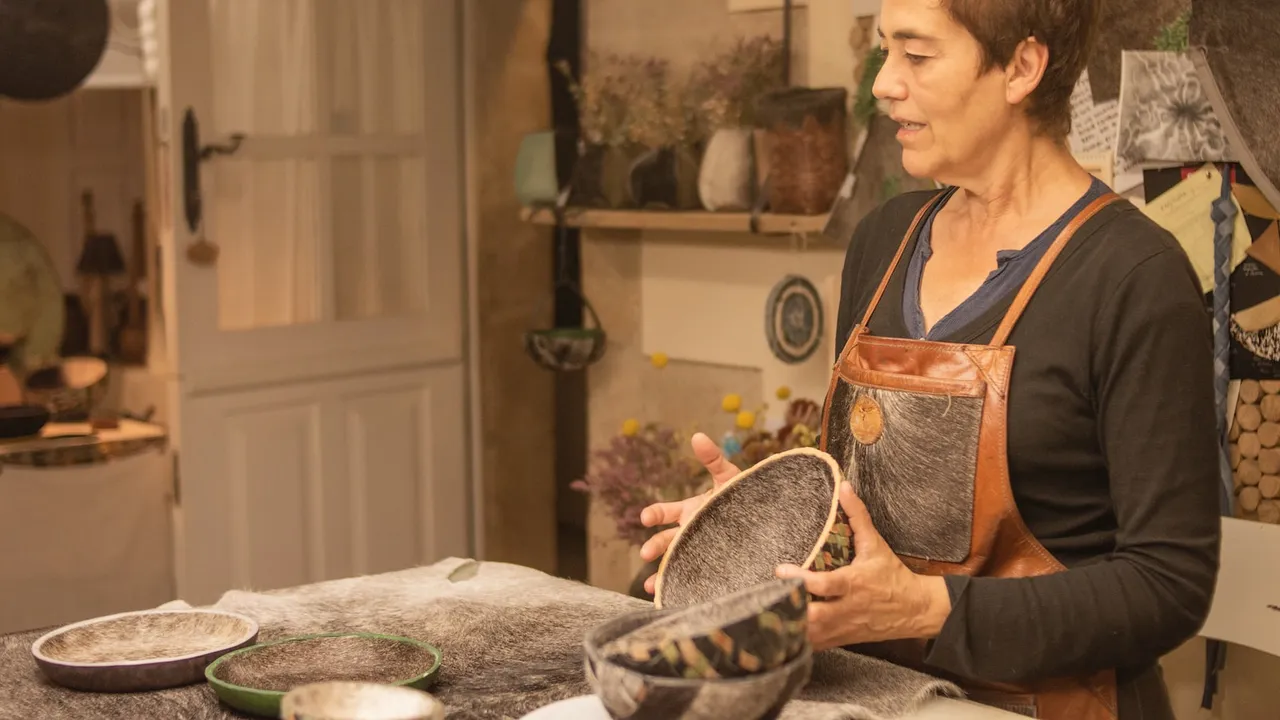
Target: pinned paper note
1093 125
1253 202
1266 249
1185 212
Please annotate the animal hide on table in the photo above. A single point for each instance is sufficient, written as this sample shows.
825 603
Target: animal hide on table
511 639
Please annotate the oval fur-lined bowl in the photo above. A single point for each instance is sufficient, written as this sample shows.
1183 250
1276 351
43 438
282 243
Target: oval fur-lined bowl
143 650
359 701
255 679
784 509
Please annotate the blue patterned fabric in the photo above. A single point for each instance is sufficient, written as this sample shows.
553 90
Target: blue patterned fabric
1224 215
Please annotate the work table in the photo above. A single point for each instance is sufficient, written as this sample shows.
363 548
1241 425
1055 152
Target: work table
511 640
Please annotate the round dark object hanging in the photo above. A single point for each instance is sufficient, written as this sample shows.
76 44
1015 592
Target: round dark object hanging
567 349
49 47
793 319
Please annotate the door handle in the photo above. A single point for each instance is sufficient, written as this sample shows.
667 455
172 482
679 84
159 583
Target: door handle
229 148
201 252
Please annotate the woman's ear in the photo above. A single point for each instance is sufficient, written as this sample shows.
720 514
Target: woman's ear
1025 69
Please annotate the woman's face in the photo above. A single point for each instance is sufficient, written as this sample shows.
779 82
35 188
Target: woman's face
952 117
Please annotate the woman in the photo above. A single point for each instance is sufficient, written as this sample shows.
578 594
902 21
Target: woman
1041 530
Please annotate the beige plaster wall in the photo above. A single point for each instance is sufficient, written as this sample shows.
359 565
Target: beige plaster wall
510 98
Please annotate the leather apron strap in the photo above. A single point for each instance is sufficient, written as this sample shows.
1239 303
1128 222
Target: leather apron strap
1032 282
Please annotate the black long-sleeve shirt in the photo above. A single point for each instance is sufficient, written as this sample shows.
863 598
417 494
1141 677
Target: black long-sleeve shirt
1112 450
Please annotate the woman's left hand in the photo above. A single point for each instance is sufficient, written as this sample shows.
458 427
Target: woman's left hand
876 597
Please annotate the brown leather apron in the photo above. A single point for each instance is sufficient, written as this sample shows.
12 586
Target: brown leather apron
918 427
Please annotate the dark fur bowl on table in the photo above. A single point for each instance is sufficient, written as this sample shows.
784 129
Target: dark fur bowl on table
18 421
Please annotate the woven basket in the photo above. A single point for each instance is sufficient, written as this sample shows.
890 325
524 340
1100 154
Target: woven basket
802 148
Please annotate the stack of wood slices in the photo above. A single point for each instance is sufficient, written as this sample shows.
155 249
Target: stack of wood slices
1255 451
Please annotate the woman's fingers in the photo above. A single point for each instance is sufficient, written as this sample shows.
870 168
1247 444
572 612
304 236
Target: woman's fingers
665 513
655 546
829 584
866 539
709 454
651 584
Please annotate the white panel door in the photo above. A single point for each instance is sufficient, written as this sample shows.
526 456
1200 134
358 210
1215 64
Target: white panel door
313 286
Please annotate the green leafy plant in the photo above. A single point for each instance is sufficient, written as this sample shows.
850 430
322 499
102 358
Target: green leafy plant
891 188
864 105
1174 37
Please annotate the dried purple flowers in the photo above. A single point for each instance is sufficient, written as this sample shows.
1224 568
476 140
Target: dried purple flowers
635 470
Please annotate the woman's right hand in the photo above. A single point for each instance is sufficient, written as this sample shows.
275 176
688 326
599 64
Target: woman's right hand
708 453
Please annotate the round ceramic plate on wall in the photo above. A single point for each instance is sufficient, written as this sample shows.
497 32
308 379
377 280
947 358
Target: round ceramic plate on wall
793 319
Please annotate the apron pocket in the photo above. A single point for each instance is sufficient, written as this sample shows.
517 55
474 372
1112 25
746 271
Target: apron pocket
912 457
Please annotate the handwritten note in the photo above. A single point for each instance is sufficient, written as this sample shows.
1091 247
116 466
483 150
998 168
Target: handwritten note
1093 125
1095 130
1185 212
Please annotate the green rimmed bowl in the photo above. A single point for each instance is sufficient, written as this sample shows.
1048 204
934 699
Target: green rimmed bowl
255 679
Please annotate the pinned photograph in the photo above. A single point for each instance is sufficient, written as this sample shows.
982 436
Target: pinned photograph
1165 113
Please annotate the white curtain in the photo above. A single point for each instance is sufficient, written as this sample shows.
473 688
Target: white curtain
332 92
265 211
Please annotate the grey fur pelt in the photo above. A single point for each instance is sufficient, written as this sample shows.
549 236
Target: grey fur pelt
511 638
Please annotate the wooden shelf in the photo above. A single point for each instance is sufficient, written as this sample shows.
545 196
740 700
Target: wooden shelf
692 220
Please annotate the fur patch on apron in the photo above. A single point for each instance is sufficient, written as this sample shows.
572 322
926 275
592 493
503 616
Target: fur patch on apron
912 458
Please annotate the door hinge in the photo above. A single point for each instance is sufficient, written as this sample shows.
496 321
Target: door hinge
177 483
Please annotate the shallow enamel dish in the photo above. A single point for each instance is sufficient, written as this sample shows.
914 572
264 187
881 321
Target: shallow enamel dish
359 701
143 650
255 679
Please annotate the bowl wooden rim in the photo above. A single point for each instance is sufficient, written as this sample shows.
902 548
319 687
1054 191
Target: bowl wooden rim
419 681
776 457
37 647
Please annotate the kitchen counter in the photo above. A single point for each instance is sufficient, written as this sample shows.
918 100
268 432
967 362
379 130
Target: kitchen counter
511 639
61 444
86 524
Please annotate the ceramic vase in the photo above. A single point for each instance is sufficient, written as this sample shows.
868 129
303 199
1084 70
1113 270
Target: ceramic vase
726 178
664 178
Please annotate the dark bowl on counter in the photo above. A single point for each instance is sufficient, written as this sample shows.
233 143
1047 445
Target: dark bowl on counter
629 693
17 421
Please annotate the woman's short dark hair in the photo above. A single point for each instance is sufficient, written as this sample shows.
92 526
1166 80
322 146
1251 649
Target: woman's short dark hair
1067 27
